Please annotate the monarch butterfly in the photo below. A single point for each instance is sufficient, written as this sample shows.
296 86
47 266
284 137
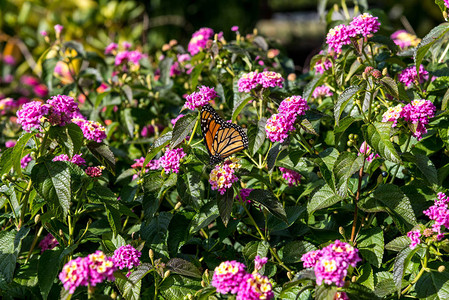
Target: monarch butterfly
222 138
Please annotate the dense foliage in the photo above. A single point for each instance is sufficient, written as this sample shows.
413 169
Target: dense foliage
107 190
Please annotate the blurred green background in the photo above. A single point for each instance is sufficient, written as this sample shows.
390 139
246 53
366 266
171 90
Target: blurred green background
296 24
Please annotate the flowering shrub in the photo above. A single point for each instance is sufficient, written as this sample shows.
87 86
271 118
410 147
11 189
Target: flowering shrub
332 184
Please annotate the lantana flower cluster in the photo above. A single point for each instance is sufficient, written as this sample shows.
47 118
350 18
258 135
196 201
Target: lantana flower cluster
292 177
84 271
76 159
24 161
243 195
126 257
331 263
92 130
171 160
223 175
201 98
266 79
322 91
124 56
404 39
231 277
417 113
409 76
48 242
58 110
279 125
361 26
199 39
439 213
153 164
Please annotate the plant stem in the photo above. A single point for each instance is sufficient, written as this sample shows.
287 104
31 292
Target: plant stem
356 200
280 262
421 272
24 203
34 243
194 130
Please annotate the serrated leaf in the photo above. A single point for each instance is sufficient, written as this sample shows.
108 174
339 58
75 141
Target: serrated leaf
10 246
155 231
400 265
208 213
127 121
51 179
6 161
345 166
130 288
366 277
158 145
426 166
385 287
325 292
256 136
190 187
356 291
398 244
270 202
113 216
390 86
371 245
343 100
323 198
325 162
17 153
293 251
47 270
254 248
183 267
428 41
308 127
273 155
389 198
310 87
102 152
377 135
225 203
183 128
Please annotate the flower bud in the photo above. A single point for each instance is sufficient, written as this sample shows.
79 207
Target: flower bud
165 47
341 230
364 76
151 254
359 59
289 275
166 274
178 205
445 15
441 269
353 279
61 233
384 72
37 218
203 284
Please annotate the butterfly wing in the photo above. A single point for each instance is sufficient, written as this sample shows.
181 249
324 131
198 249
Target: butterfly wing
222 138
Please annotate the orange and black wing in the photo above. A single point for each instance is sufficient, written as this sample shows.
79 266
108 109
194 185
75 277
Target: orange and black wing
222 138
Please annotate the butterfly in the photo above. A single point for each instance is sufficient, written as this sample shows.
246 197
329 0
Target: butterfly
222 138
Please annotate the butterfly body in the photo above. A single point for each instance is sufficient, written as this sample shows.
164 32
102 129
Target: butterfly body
222 138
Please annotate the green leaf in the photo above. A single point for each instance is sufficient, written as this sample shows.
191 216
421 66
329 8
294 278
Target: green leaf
323 198
113 216
325 292
190 187
326 161
310 87
102 152
400 265
239 104
130 289
343 100
17 153
6 161
377 135
257 136
426 166
398 244
178 287
127 121
367 277
51 179
183 267
385 287
428 41
254 248
69 137
390 86
270 202
155 232
346 164
208 213
273 155
158 145
183 128
433 285
47 270
225 203
10 246
389 198
371 245
293 251
356 291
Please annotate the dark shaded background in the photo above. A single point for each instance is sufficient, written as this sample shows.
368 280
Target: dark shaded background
295 23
